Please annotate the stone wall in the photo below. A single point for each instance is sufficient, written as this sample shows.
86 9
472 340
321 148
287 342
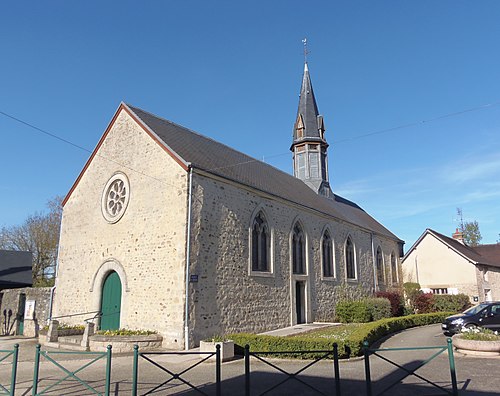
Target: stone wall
10 301
146 247
229 298
488 278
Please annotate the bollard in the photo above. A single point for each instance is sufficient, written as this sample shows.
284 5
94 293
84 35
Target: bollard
336 368
217 370
247 370
453 373
366 354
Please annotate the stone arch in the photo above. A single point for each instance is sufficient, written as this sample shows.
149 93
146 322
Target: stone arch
104 269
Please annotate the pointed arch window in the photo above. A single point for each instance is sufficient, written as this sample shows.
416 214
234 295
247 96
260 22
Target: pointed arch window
298 250
327 255
380 266
349 260
394 268
260 244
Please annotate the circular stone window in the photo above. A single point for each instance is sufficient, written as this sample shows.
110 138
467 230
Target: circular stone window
115 198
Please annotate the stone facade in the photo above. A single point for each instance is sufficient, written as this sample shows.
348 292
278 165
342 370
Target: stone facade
228 298
488 280
147 247
10 302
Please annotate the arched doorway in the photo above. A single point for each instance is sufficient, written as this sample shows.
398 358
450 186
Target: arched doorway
111 299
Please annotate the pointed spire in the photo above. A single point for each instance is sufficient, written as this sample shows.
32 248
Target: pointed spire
308 110
309 146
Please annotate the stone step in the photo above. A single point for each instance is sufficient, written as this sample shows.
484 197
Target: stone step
74 339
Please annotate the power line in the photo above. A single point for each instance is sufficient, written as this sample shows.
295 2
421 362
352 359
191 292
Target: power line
357 137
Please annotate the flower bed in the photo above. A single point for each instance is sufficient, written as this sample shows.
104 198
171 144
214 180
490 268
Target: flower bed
124 343
477 341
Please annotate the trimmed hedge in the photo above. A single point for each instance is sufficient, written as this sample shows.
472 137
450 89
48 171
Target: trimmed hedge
351 346
353 312
451 302
363 311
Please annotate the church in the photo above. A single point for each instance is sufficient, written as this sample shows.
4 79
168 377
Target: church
168 230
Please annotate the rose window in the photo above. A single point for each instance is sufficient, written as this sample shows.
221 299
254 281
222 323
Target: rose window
115 198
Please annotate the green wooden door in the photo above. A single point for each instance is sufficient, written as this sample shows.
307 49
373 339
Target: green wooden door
111 302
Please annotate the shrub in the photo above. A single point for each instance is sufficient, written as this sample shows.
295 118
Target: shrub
353 312
412 291
396 300
352 345
424 303
479 334
451 303
379 308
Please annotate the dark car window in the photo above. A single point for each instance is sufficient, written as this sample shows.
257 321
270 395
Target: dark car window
495 310
476 309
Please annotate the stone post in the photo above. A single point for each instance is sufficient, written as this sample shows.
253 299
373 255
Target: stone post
89 331
52 334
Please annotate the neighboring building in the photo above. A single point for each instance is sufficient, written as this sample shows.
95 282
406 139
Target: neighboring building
15 269
444 265
169 230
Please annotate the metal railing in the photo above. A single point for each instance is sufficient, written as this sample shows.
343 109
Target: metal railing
174 375
440 349
294 375
14 353
71 374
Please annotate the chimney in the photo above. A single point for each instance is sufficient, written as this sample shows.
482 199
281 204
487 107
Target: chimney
459 236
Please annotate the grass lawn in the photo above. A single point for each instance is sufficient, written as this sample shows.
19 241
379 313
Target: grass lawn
338 333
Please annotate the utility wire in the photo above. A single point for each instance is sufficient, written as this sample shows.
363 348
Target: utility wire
378 132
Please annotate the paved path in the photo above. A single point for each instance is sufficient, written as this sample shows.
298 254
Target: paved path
476 376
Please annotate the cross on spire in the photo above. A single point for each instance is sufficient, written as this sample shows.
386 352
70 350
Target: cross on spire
306 51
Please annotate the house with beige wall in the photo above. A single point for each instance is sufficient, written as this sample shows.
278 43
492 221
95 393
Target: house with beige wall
168 230
444 265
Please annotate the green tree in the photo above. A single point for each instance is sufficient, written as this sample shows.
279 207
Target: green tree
469 229
39 234
471 233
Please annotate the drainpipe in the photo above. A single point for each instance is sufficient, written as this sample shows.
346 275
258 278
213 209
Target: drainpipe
188 261
52 289
375 283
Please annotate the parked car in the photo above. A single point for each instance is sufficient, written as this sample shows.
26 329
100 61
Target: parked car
486 314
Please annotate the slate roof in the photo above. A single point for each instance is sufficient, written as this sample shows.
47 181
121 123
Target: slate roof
15 269
218 159
308 108
482 254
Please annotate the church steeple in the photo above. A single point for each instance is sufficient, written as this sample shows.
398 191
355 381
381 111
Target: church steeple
309 146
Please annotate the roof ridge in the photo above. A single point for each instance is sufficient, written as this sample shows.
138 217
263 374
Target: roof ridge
217 142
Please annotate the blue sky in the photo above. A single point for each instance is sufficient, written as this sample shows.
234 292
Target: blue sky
232 71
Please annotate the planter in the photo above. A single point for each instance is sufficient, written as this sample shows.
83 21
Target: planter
473 347
99 343
226 349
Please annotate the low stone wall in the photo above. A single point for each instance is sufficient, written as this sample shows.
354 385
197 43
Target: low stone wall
10 310
99 343
473 347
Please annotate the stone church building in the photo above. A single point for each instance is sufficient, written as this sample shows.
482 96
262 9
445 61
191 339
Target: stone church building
168 230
